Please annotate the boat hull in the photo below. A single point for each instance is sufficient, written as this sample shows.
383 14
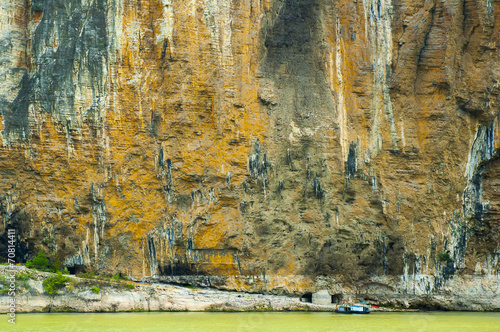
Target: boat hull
353 310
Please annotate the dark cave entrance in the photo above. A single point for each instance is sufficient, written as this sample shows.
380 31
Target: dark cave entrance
306 298
336 298
76 269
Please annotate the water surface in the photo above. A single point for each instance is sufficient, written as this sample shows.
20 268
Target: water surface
249 321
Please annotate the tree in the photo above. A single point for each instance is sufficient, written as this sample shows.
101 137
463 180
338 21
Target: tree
40 262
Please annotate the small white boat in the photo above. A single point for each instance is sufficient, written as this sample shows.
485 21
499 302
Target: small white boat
352 309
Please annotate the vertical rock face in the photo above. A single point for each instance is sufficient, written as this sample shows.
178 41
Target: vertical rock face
288 140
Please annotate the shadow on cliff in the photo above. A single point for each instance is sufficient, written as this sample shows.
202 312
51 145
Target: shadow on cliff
71 37
290 39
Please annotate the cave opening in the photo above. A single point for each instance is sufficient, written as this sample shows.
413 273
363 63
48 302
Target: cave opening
307 297
336 298
76 269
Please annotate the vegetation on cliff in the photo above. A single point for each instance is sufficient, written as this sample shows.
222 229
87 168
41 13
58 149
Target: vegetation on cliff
52 285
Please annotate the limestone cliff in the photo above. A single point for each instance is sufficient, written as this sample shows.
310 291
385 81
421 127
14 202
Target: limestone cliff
281 145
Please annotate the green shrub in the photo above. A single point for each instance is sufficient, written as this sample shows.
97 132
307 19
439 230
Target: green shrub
40 262
23 276
23 280
53 284
3 281
445 257
65 271
129 286
96 289
119 277
4 285
56 266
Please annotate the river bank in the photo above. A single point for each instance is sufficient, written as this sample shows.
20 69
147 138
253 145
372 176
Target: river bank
113 297
105 294
100 295
155 298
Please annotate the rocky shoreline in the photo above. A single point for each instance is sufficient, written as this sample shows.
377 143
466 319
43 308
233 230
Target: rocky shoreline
101 294
97 295
157 298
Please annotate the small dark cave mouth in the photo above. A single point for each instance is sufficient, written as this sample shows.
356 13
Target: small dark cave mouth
76 269
307 297
16 237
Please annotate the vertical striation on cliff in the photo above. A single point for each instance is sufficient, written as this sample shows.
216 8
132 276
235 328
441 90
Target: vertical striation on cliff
284 145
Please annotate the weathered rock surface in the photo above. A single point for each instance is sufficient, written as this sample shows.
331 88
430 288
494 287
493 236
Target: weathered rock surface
283 141
78 296
157 298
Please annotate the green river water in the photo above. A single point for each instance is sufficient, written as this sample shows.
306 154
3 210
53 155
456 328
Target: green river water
249 321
